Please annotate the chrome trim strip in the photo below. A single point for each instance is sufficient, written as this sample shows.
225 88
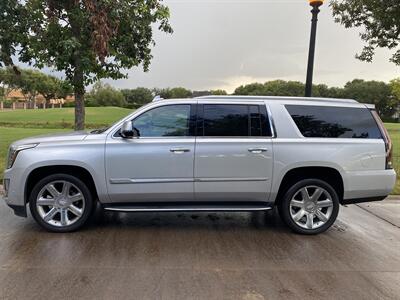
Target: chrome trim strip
228 179
175 180
175 209
156 180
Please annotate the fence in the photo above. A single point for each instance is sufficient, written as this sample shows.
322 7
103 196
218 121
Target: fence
8 105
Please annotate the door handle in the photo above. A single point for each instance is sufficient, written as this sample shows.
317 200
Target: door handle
257 150
179 150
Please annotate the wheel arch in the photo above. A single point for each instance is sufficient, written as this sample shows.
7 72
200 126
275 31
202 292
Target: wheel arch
327 174
40 172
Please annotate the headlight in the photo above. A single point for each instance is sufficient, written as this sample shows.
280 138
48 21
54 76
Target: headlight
13 152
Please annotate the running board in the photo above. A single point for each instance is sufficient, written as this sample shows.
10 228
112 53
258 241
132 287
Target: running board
187 207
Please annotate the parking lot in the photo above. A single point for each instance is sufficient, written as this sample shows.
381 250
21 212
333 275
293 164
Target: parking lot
247 256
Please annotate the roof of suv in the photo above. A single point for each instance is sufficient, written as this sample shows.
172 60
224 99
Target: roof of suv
331 100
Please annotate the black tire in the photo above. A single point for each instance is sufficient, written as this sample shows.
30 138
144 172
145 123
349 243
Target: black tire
88 200
284 206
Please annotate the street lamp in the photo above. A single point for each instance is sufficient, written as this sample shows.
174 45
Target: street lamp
311 54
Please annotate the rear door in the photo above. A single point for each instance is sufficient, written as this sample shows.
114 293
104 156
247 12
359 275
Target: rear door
233 159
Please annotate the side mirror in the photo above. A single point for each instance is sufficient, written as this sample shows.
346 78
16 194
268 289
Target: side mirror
127 130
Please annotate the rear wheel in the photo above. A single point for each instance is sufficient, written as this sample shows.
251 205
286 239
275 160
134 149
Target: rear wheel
310 206
61 203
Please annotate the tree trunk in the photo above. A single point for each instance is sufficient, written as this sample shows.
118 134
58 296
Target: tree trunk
79 110
78 78
79 92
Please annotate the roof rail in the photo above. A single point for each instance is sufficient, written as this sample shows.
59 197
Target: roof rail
157 98
278 98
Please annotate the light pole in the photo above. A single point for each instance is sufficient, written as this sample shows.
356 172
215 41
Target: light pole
311 54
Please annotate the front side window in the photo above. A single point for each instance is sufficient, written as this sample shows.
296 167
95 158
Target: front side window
164 121
234 120
334 122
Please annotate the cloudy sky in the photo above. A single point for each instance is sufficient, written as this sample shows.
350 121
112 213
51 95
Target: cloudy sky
226 43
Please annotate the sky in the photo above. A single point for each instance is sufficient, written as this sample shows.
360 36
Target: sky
221 44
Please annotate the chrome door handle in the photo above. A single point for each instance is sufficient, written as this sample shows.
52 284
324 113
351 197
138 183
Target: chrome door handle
257 150
179 150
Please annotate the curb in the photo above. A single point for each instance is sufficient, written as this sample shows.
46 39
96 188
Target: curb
393 197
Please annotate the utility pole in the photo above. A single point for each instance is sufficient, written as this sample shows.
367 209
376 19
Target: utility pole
311 54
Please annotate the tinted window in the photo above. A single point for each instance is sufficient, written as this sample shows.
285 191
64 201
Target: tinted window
334 122
169 120
234 120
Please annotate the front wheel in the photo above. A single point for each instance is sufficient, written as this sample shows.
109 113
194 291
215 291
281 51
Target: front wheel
310 206
61 203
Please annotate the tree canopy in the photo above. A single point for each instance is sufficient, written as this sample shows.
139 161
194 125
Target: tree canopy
176 92
380 21
379 93
86 39
375 92
395 87
137 97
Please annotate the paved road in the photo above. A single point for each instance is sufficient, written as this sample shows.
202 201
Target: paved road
248 256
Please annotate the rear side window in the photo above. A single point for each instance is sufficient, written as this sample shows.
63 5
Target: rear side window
334 122
233 120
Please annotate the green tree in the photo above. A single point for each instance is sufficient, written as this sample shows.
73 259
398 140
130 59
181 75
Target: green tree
8 80
52 88
218 92
28 82
375 92
2 93
395 87
170 93
287 88
137 97
105 95
11 34
378 18
86 39
253 89
272 88
322 90
180 92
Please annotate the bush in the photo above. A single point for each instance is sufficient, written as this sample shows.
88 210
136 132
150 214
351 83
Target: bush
135 98
105 95
69 104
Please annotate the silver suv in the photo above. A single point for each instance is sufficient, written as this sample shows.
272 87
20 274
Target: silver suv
305 156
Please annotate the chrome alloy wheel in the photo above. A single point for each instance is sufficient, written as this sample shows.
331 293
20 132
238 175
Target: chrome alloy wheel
311 207
60 203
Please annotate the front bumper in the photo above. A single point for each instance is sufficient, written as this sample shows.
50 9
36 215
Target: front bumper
14 190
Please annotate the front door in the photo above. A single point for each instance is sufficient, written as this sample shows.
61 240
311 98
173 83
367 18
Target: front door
234 156
157 166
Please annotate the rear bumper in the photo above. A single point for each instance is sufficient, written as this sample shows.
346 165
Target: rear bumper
374 184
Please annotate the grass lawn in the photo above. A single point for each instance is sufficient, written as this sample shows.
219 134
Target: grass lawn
61 117
37 122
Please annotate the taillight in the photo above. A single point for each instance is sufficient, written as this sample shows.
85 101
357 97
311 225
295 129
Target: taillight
386 137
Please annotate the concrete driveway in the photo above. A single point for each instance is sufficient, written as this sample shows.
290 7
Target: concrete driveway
247 256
